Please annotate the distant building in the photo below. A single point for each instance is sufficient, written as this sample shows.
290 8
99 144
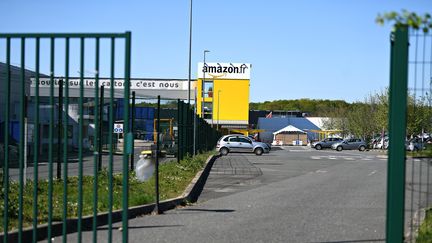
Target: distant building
271 125
254 115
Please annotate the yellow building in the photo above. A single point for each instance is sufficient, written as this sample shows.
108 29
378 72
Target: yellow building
223 88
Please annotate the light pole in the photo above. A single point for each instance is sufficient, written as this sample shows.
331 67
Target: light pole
202 85
190 51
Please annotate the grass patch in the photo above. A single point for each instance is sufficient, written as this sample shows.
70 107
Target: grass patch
173 180
425 231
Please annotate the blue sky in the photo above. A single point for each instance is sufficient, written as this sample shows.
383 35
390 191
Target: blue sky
298 49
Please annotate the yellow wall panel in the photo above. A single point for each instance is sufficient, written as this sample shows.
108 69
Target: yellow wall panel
230 96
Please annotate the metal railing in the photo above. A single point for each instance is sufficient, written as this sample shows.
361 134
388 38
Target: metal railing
67 143
409 185
16 98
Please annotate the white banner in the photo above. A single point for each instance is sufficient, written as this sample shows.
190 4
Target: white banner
216 70
135 84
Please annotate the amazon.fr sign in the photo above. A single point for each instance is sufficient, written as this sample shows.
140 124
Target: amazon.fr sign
219 70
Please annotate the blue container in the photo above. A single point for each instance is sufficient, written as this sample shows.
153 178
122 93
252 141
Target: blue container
142 112
138 113
151 113
15 130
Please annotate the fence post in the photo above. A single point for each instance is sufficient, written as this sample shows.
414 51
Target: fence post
133 132
101 109
397 125
178 131
156 209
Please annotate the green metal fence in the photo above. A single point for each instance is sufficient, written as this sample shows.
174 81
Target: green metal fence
65 169
409 190
29 205
191 126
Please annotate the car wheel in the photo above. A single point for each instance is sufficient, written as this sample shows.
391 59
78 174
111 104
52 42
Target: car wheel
362 148
224 151
339 148
318 147
259 151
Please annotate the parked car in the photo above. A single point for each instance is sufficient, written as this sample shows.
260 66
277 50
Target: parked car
382 143
326 143
240 143
351 143
256 140
415 144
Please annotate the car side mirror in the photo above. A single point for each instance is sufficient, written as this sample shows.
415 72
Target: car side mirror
345 142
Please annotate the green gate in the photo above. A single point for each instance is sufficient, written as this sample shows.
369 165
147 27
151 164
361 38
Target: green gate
409 184
40 133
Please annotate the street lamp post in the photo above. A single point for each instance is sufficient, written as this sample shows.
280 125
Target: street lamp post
202 86
190 52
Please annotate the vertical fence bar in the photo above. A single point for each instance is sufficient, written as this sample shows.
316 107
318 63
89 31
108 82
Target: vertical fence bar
184 121
178 131
65 142
397 125
50 146
422 140
412 161
101 108
430 107
96 144
21 142
59 127
111 125
6 143
133 131
126 130
156 210
36 144
80 141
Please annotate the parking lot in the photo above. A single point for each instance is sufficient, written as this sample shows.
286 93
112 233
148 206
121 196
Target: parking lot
292 194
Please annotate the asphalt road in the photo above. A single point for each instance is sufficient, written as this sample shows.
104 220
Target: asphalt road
290 195
73 165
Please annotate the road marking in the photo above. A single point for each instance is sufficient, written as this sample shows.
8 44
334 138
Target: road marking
225 190
321 171
373 172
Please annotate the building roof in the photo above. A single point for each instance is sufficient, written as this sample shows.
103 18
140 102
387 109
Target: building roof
274 124
289 129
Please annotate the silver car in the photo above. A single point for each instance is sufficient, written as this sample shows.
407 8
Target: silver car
326 143
240 143
351 143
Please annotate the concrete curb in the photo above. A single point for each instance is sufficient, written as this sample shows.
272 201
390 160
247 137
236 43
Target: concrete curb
190 194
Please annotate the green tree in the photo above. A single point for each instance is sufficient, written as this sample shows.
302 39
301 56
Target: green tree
406 19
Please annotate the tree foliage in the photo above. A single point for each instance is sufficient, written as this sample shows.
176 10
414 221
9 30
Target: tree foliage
406 19
363 119
313 107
